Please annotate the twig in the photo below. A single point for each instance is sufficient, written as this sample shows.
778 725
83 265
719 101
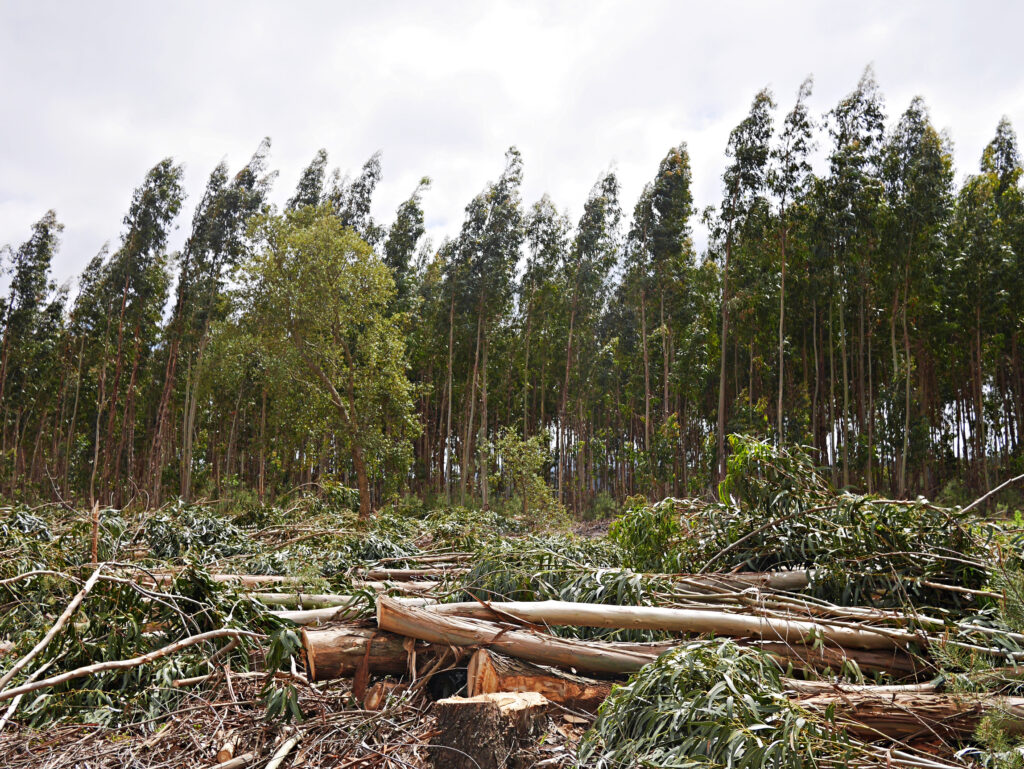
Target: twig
61 621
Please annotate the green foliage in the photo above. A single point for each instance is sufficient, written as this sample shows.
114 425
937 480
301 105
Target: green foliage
194 532
533 568
522 464
707 704
649 536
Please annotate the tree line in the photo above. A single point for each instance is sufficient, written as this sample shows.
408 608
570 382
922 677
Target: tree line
863 305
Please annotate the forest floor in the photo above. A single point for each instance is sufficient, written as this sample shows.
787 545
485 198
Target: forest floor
790 625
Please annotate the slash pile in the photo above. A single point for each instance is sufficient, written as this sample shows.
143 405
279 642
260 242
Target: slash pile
783 624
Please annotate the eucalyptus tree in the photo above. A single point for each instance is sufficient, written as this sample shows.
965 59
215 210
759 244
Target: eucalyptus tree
637 285
547 235
671 247
918 176
744 182
403 237
789 179
215 247
310 189
322 297
351 200
1001 161
584 279
854 191
29 314
136 285
488 246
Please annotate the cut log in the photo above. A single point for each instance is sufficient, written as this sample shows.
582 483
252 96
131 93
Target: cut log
305 600
436 627
490 672
902 715
489 731
337 652
329 614
772 580
237 762
700 621
412 587
227 748
410 574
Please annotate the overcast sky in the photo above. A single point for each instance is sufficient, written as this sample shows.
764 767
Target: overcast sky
95 93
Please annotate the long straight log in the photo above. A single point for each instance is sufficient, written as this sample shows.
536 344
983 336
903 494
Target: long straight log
410 574
432 626
680 621
771 580
489 672
329 614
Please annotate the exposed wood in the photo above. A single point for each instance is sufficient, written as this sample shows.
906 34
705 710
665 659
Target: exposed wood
486 731
305 600
237 762
227 748
337 652
680 621
771 580
432 626
489 672
329 614
282 752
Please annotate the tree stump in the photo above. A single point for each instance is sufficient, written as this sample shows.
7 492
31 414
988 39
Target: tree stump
489 731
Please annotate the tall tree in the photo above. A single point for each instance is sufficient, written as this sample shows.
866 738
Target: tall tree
789 177
744 180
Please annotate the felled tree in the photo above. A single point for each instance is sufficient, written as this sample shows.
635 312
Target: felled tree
322 295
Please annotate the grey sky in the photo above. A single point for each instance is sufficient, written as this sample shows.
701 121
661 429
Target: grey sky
95 93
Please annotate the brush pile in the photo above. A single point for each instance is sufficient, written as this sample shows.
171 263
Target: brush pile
785 624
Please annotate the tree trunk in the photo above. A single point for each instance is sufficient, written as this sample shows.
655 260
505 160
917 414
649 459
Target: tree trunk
720 427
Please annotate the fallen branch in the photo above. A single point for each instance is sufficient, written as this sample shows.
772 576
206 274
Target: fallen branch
45 640
102 667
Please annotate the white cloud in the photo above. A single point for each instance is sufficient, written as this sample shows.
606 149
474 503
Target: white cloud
94 94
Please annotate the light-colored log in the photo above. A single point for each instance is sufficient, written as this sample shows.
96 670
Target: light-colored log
432 626
237 762
680 621
227 748
330 614
411 574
